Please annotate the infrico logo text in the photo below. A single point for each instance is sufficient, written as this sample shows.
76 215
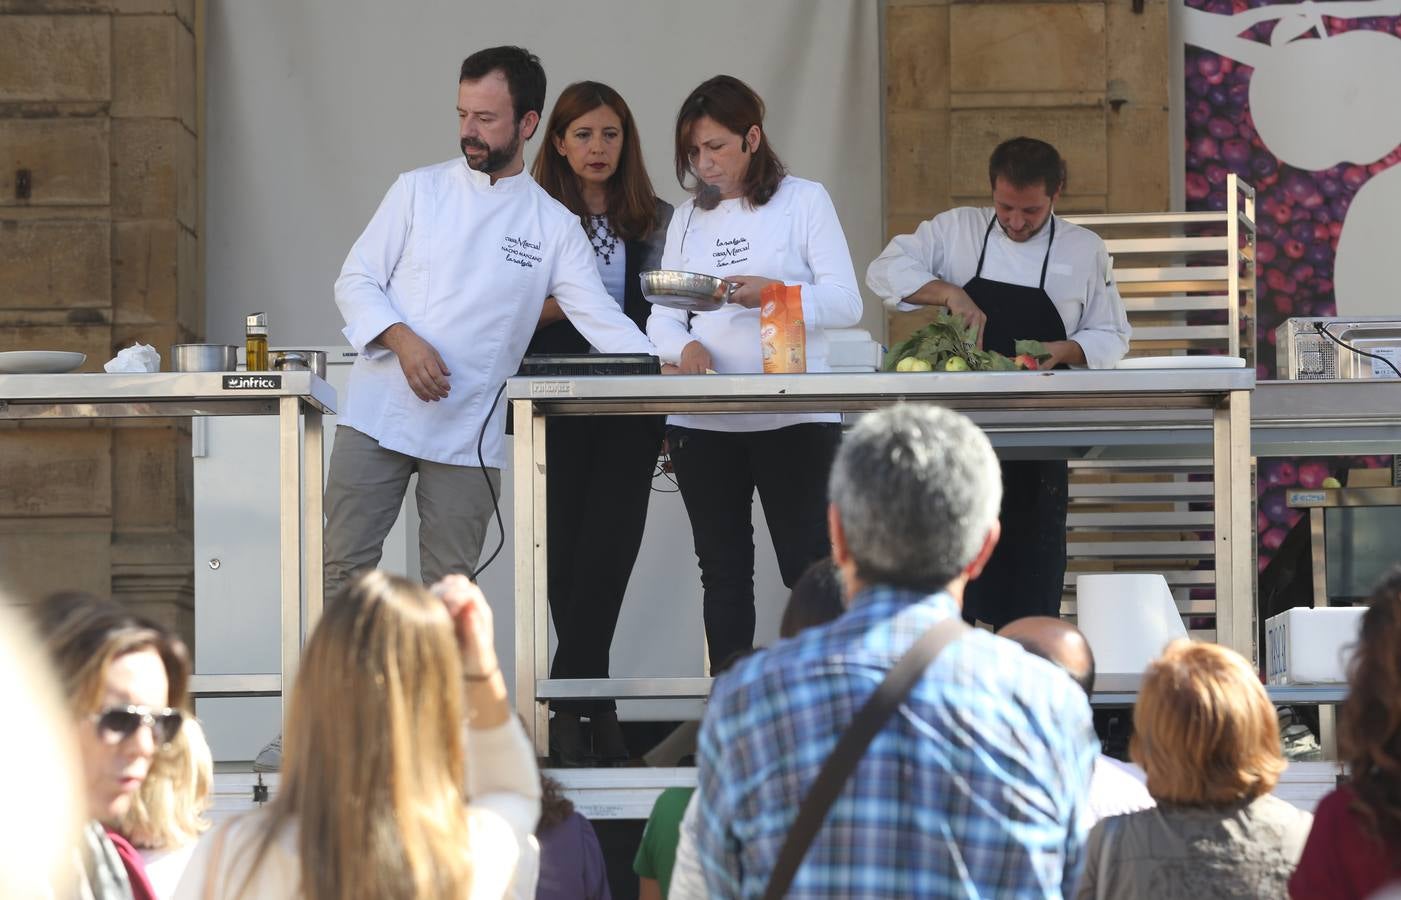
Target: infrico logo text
252 382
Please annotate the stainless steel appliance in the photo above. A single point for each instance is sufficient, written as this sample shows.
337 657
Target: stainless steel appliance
1313 349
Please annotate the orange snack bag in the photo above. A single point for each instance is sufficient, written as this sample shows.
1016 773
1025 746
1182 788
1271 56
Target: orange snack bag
782 335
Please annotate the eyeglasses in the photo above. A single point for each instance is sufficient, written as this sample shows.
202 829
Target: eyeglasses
117 723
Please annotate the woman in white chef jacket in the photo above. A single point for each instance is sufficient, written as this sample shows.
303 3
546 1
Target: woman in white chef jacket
750 222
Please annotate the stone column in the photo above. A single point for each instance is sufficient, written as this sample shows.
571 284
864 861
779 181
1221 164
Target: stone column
99 247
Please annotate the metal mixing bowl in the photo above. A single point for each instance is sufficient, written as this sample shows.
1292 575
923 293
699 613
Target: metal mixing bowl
203 358
686 290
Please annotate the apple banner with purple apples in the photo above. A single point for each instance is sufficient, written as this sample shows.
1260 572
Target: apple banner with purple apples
1302 101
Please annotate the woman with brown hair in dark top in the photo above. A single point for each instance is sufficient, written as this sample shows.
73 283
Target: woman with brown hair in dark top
600 467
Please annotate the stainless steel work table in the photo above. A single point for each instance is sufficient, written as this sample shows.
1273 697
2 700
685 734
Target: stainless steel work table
1046 414
298 399
1287 418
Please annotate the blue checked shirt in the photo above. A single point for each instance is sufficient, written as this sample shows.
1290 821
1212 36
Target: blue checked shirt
975 788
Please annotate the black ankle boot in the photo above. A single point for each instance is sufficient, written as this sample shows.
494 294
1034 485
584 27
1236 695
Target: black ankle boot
608 743
567 741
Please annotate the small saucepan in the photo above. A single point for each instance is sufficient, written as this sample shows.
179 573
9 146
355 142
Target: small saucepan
203 358
299 361
686 291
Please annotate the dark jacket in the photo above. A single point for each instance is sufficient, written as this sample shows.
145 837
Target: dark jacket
641 255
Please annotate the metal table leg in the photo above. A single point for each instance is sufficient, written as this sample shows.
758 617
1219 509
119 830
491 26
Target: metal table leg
541 600
532 611
289 548
1235 559
313 487
1327 713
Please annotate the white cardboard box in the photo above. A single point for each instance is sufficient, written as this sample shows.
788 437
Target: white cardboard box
1311 646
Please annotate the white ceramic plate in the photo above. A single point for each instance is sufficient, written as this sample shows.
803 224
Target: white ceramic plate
40 362
1182 362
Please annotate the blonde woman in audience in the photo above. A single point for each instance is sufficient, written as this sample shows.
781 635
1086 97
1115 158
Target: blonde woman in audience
404 773
167 815
125 680
1207 735
45 784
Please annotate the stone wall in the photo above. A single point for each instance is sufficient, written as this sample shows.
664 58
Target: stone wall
960 77
99 247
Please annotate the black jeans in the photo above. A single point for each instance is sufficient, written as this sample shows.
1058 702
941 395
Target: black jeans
718 472
600 479
1026 574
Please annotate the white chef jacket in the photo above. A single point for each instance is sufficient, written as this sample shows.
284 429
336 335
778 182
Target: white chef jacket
795 238
467 265
1079 274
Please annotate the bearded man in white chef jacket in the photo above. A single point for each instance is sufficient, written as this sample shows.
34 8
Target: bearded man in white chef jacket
1019 273
441 295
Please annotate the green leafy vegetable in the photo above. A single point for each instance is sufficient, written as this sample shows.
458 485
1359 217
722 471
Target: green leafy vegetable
947 337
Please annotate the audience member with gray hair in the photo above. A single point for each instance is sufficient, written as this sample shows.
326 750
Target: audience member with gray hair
976 786
917 492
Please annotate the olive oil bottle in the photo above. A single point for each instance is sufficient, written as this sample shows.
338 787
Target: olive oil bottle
257 343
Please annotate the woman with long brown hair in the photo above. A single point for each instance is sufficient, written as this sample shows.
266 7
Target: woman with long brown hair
751 223
1355 846
404 773
601 467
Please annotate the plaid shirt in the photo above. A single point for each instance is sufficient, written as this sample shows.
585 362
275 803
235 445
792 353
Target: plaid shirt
976 787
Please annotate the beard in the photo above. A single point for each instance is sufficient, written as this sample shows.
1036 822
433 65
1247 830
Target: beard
496 159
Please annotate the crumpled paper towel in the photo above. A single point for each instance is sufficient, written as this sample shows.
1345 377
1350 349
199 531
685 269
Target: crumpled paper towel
136 358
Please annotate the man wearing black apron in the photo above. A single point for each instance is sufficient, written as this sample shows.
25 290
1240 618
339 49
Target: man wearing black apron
1019 274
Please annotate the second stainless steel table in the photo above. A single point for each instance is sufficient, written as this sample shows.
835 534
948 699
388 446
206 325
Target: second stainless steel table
1049 413
298 399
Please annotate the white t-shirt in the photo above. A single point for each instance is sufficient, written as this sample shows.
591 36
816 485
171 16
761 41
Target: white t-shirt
1116 788
1079 273
795 238
164 867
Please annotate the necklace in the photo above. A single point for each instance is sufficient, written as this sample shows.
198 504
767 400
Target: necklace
604 241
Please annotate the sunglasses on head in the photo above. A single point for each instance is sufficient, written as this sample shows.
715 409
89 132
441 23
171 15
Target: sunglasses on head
117 723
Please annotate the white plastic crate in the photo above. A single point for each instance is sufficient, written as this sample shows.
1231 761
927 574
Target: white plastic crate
1311 646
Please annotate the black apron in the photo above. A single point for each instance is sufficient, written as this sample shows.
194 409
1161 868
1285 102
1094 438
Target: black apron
1025 574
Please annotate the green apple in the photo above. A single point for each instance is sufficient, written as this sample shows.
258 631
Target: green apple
956 364
1330 482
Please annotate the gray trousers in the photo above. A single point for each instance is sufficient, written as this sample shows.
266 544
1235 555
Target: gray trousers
364 490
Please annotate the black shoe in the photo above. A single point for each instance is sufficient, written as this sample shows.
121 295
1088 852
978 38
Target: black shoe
567 741
609 745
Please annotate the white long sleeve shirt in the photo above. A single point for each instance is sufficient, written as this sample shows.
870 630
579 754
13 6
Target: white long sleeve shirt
467 265
795 238
1079 274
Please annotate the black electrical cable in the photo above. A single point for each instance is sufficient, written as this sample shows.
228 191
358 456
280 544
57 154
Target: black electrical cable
1323 330
491 489
662 472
